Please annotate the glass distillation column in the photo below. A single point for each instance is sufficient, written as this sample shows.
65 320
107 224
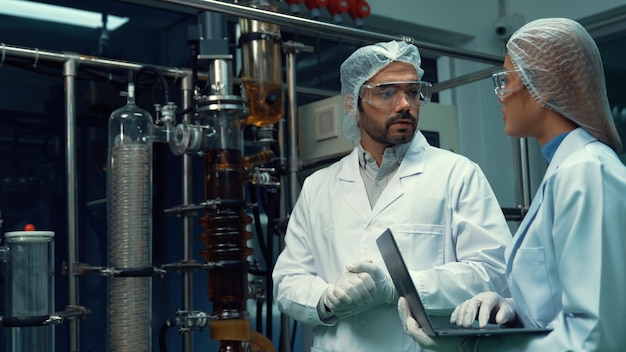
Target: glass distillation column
29 290
130 226
262 67
225 221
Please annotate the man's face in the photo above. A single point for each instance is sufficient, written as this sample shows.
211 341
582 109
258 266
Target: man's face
397 123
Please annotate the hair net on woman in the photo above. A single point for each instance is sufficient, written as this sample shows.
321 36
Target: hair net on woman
560 65
362 65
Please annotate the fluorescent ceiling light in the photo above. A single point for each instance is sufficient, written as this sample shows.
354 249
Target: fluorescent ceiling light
59 14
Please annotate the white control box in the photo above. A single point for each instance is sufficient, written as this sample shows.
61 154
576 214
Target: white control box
320 134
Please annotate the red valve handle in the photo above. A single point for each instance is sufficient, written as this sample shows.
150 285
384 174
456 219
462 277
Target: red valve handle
336 7
358 9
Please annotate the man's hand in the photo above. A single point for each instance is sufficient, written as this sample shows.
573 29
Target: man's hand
349 294
361 288
384 290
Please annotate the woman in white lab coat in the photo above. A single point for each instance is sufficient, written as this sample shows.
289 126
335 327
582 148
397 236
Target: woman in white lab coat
438 204
567 263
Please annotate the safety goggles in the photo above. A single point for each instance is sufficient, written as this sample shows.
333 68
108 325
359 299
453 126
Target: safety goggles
388 95
502 83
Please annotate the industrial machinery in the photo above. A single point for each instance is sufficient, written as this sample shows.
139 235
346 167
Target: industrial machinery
213 133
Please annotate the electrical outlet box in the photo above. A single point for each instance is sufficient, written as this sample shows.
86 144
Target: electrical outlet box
320 133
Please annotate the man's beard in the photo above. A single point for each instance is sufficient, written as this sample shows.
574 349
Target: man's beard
404 138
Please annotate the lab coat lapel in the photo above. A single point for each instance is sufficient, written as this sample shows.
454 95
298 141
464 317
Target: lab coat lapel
355 194
412 163
523 228
392 192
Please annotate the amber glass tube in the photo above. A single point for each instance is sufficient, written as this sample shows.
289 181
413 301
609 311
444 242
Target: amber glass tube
225 235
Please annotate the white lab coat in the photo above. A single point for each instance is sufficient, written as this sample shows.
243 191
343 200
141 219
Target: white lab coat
444 215
566 267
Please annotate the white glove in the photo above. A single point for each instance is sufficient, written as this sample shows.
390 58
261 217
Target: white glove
349 294
484 304
441 344
363 287
384 290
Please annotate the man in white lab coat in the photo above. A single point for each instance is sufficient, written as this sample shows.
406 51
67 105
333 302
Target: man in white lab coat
438 204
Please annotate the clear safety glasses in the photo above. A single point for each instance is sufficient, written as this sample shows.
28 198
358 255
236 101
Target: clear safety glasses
502 83
388 95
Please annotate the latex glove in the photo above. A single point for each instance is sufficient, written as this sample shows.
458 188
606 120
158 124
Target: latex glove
374 288
486 305
384 290
441 344
349 294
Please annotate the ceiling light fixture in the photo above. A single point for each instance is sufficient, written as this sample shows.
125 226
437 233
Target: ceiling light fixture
59 14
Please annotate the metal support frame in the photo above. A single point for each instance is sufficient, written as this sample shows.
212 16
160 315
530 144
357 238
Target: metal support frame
69 73
291 49
187 89
71 62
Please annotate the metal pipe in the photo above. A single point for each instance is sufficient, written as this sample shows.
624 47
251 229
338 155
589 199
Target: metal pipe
86 60
179 73
461 80
329 29
294 166
187 95
69 74
524 172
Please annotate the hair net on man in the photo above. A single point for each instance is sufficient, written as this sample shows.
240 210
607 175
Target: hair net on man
560 65
362 65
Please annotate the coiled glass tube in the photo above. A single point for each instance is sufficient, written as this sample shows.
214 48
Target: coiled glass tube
130 226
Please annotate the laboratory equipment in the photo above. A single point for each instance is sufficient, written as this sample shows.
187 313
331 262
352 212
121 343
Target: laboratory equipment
29 290
262 67
130 226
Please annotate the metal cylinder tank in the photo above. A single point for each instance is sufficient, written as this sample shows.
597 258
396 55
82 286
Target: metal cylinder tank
262 67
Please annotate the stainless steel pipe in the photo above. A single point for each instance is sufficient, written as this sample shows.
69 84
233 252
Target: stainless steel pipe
329 29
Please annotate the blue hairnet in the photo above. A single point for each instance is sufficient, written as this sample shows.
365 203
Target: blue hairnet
560 65
362 65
